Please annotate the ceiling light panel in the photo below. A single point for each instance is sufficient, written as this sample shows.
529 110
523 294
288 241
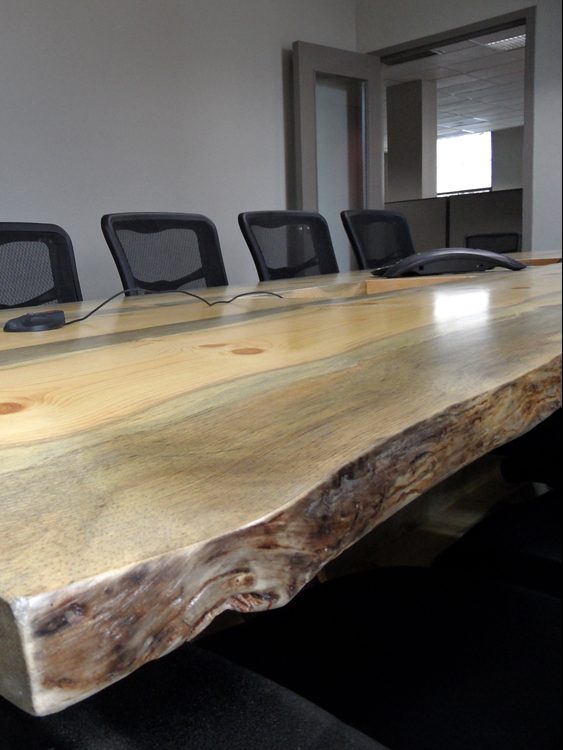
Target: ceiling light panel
505 45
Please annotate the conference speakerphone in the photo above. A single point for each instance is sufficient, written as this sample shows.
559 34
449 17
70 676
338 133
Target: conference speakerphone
448 260
46 320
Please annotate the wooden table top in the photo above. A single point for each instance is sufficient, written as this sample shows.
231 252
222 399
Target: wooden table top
539 258
165 461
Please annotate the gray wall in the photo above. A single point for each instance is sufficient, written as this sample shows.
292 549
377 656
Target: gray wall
507 148
411 141
136 105
383 24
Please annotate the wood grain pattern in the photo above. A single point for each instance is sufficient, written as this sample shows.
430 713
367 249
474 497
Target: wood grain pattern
162 465
544 258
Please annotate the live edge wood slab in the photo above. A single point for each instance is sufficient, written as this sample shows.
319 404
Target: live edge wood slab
165 461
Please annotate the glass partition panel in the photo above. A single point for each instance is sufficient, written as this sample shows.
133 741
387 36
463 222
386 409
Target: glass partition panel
341 154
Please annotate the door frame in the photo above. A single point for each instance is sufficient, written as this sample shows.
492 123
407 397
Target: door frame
308 60
525 16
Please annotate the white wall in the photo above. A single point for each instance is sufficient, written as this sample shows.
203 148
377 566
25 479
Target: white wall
137 105
383 24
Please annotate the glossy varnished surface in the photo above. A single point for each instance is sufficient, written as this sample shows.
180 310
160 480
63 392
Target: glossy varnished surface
160 465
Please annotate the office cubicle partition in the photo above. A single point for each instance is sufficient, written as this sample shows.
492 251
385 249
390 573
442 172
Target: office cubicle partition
447 221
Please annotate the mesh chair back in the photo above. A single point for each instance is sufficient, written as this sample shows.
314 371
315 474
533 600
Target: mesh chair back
37 265
377 237
286 244
497 242
165 251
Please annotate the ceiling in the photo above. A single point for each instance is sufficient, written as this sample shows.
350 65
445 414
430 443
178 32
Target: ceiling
479 87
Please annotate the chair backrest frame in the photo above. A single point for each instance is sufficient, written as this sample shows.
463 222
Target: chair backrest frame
355 221
212 269
325 256
62 262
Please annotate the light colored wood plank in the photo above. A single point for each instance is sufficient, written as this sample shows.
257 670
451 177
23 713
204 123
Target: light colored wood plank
163 465
381 286
540 258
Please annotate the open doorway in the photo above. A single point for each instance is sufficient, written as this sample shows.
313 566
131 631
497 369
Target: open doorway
480 82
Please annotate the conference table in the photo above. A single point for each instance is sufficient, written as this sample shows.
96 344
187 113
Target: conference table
166 460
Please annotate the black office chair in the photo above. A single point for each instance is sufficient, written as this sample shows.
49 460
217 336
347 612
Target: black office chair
189 700
286 244
521 542
377 237
416 658
497 242
158 252
535 456
37 265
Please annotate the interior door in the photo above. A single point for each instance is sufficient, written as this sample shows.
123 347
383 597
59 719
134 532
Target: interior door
339 135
